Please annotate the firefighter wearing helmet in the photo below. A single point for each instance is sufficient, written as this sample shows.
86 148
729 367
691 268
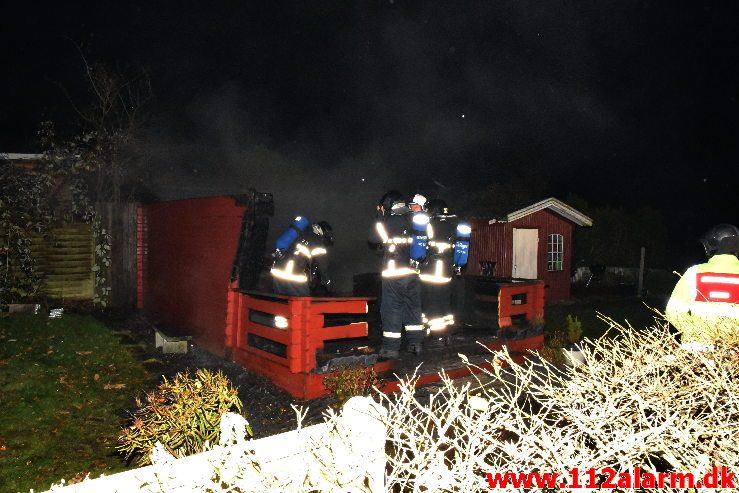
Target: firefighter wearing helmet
417 203
300 259
704 306
448 248
401 237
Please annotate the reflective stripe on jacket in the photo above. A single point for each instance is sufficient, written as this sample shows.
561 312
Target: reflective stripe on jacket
704 305
295 267
438 266
394 234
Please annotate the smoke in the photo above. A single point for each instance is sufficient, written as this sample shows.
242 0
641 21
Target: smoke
329 108
230 154
434 99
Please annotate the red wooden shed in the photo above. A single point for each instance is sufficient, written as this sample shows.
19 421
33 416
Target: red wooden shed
534 242
186 254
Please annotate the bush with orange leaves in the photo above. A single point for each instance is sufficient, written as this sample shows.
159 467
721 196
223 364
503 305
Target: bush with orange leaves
183 414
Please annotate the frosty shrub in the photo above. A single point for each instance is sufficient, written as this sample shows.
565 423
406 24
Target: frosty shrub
638 400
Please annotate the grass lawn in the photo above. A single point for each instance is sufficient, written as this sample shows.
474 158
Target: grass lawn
637 312
63 385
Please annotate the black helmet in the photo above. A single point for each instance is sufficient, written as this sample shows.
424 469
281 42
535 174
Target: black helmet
389 199
437 207
721 238
323 229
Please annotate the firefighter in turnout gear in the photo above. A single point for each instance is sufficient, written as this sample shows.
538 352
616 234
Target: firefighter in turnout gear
704 306
448 248
318 267
401 237
300 257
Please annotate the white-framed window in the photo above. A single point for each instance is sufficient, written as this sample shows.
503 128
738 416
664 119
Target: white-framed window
555 253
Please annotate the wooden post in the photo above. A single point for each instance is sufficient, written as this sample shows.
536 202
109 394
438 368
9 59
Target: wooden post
119 219
640 282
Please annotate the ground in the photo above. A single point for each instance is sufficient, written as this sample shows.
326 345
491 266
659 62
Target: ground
267 406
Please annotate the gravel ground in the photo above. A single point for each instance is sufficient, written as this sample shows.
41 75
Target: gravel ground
267 406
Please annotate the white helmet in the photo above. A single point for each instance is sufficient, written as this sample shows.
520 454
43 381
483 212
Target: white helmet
419 200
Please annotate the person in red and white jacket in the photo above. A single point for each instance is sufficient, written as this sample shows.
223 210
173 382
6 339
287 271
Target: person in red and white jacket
704 306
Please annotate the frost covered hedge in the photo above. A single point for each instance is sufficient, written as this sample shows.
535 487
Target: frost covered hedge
638 400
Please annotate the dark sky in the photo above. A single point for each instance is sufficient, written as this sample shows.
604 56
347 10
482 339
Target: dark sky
329 103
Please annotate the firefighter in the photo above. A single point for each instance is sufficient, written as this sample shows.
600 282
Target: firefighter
401 237
704 306
318 268
299 259
448 248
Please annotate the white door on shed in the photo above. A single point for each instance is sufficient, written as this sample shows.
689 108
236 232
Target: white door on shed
525 253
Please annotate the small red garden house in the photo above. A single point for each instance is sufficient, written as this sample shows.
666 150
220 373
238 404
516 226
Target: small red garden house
534 242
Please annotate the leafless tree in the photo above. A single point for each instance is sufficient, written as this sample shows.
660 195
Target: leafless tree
105 154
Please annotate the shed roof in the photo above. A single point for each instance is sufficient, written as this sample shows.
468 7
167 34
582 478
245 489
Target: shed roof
555 205
17 156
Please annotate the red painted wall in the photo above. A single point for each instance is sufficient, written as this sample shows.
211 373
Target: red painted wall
490 242
188 248
495 242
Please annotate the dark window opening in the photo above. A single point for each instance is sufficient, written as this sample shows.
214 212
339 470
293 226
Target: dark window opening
267 345
519 299
338 319
263 318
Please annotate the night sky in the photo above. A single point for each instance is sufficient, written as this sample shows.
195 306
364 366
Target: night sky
329 103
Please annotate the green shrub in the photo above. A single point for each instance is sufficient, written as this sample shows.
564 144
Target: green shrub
350 382
182 414
560 338
573 329
24 213
552 348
